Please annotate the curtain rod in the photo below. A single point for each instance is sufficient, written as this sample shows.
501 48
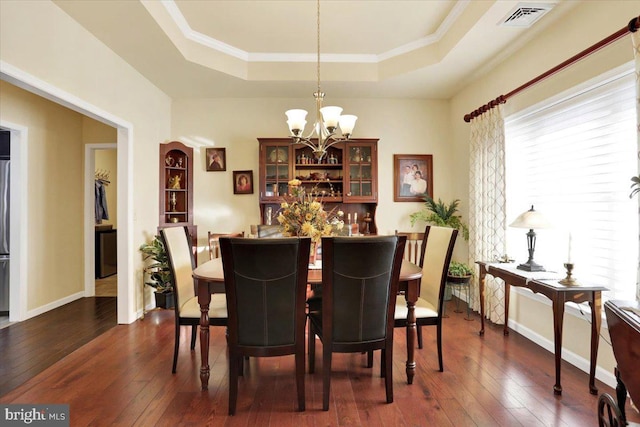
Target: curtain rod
633 26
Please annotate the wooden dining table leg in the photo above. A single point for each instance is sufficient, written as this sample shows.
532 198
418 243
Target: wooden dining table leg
411 296
204 300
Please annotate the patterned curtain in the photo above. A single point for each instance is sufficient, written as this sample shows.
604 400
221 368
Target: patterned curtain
487 205
635 37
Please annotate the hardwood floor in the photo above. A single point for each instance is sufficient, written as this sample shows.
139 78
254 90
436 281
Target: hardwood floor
124 377
27 348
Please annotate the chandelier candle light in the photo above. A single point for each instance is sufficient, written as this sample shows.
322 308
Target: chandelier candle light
531 219
328 119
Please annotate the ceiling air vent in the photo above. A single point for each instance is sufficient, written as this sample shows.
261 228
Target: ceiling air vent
525 14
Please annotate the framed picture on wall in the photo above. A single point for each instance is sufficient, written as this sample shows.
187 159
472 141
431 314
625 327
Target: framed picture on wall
412 177
242 182
216 159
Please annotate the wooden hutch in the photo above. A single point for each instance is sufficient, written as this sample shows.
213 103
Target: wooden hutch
346 178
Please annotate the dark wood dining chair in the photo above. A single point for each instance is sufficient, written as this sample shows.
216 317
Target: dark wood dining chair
177 243
359 287
437 249
214 242
413 247
266 284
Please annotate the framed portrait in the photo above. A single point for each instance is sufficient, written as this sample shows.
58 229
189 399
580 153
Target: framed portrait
412 177
242 182
216 159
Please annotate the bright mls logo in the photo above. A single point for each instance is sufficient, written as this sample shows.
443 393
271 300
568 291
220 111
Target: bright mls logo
37 415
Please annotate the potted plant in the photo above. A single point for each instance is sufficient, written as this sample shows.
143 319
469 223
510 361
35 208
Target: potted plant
459 272
158 273
441 214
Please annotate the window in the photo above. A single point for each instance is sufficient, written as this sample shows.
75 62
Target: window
573 160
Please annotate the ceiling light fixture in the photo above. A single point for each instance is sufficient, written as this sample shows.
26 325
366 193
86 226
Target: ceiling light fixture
328 119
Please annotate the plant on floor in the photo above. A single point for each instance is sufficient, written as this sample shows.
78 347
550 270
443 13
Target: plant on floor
441 214
158 273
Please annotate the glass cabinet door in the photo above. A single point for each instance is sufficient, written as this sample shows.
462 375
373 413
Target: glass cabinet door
361 168
277 172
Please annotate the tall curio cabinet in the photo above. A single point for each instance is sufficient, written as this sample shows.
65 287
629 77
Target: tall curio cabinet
176 187
346 178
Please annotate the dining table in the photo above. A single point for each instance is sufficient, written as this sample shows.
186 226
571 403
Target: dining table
209 279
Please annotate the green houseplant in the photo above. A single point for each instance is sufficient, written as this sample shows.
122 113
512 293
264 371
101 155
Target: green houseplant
439 213
459 272
157 274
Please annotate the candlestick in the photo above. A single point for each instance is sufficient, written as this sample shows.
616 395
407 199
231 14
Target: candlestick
355 217
569 281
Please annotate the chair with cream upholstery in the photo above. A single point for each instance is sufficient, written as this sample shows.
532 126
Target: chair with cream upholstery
437 248
177 243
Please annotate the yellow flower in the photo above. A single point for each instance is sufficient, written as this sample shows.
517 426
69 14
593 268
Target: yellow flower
294 183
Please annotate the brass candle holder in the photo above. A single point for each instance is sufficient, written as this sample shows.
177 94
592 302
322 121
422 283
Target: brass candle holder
569 280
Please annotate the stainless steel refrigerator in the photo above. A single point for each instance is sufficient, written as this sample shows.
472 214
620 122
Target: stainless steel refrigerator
4 235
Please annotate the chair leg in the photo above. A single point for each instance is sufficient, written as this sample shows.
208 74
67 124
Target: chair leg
419 333
233 381
193 337
370 359
300 378
439 338
176 346
388 377
326 376
383 363
312 348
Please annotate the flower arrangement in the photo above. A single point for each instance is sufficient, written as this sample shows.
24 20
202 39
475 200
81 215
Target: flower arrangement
304 215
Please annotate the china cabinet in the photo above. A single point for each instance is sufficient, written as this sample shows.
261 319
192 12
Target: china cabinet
345 178
176 187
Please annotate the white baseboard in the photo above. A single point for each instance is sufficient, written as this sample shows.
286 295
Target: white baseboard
579 362
55 304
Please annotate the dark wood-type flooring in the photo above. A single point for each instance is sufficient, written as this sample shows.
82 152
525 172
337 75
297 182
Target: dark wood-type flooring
123 377
28 348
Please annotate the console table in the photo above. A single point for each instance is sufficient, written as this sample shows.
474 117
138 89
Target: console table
546 283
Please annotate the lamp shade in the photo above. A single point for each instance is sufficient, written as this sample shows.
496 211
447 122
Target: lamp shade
330 116
532 220
347 123
297 120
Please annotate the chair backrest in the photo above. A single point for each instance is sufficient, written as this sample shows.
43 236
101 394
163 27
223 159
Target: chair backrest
437 249
266 283
359 286
214 242
177 243
413 247
269 231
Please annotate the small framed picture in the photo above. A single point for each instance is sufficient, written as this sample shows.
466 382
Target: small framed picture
412 177
216 159
242 182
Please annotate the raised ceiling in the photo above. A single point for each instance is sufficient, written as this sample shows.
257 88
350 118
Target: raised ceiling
265 48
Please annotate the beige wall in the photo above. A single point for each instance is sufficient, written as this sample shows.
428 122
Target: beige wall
55 176
587 24
45 44
403 126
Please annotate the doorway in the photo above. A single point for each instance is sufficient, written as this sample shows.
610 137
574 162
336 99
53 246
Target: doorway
106 219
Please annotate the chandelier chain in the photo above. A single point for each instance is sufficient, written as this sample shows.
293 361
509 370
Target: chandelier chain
318 41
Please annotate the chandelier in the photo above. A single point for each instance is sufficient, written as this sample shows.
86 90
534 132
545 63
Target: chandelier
328 119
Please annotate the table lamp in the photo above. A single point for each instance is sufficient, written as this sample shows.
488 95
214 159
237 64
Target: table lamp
532 220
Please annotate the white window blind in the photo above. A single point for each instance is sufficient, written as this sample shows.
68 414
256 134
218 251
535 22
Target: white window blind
573 160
